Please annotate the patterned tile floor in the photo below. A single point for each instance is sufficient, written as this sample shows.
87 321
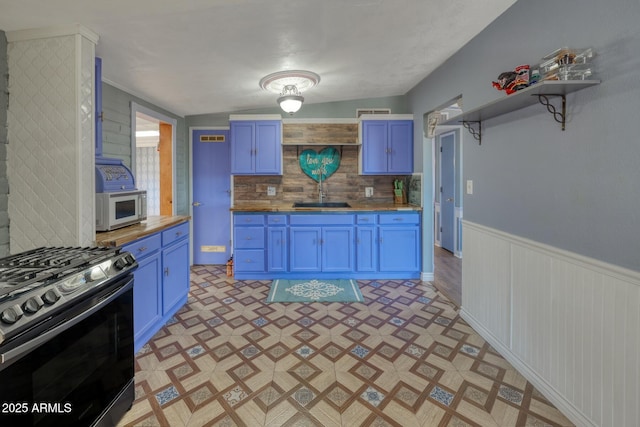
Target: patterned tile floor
402 358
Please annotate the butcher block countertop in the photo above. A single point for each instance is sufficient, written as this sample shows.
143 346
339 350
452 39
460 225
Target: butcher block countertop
128 234
288 207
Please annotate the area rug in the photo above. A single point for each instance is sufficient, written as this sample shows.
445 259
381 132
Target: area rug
323 290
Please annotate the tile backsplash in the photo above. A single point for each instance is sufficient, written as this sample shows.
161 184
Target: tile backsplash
294 186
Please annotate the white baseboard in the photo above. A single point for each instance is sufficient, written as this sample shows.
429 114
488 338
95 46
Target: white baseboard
560 402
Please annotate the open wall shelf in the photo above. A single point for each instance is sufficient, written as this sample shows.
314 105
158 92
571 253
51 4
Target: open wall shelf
540 92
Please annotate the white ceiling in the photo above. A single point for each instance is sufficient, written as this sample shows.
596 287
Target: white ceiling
207 56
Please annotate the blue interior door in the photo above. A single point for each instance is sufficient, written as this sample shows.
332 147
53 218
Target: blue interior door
211 196
447 195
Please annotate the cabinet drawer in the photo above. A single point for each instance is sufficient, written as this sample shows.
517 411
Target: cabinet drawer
249 260
248 219
400 218
277 220
365 219
321 219
142 248
249 237
175 233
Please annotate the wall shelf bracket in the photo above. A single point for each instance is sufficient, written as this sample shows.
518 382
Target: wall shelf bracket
558 116
476 133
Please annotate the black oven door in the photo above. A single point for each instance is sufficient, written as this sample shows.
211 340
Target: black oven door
75 370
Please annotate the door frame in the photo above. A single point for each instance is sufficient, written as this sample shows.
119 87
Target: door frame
191 129
459 195
137 108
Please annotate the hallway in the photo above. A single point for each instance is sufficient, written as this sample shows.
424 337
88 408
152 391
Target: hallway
448 274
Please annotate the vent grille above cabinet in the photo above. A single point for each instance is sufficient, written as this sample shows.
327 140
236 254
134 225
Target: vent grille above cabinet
361 111
212 138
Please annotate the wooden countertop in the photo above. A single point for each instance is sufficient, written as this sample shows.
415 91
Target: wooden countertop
128 234
288 207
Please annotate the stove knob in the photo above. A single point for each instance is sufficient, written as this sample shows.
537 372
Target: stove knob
120 264
130 259
33 304
51 296
11 315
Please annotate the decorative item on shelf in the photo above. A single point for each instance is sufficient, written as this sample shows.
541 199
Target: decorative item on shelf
512 81
567 64
320 166
289 85
534 75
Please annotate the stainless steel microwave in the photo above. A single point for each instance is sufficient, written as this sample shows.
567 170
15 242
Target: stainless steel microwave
115 210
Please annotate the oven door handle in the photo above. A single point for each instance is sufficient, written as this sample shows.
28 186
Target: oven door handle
19 351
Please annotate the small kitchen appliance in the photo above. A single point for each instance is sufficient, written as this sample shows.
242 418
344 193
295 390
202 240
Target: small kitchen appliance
66 337
118 202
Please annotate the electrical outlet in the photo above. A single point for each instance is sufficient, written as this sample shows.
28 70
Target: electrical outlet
368 192
271 191
469 186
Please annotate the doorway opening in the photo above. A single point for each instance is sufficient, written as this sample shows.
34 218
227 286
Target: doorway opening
153 138
446 143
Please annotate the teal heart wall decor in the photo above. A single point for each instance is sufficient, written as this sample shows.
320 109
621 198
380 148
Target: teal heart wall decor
322 164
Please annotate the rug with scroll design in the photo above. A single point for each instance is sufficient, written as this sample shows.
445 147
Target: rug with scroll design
316 290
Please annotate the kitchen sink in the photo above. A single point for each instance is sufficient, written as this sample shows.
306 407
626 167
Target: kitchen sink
321 205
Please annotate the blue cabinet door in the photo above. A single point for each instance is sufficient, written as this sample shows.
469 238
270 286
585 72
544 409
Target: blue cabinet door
399 248
366 249
305 255
175 271
256 147
277 249
242 147
268 148
400 159
374 147
337 249
387 147
146 298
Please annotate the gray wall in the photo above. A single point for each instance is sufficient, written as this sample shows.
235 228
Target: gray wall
579 189
116 134
4 187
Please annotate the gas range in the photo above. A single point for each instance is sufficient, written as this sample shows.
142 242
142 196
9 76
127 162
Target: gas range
36 284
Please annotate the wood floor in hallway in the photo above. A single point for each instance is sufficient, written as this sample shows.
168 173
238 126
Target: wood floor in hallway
448 274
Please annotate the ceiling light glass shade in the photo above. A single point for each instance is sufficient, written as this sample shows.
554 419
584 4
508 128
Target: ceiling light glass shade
290 99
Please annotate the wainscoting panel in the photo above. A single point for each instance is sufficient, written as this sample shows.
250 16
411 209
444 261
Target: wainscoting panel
485 282
574 327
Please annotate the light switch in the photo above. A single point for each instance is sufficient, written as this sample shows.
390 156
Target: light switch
271 191
469 186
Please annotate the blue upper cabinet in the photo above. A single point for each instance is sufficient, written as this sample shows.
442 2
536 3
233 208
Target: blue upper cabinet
256 147
387 147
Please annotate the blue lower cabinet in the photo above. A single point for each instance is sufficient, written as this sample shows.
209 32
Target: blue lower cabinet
249 260
305 255
161 281
277 249
365 245
338 254
399 249
147 298
366 249
175 277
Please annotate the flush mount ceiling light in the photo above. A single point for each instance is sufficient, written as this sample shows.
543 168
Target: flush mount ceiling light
289 85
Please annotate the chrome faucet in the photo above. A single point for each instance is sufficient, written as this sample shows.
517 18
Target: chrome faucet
320 192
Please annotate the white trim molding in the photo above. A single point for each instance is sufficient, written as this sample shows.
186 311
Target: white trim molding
567 322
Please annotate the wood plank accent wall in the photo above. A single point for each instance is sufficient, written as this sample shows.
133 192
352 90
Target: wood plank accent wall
320 133
294 186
